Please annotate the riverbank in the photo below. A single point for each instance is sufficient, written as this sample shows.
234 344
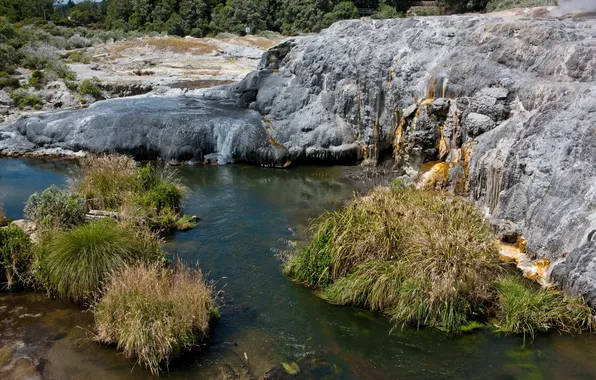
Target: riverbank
244 212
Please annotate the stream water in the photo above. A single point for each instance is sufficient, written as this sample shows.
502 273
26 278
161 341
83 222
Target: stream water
266 319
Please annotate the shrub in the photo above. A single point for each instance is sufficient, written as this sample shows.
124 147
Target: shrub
76 56
421 258
8 82
36 79
87 87
61 70
386 11
38 57
154 314
16 257
78 261
77 42
524 308
21 98
106 181
56 209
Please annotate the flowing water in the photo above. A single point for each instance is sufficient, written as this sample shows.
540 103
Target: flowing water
266 319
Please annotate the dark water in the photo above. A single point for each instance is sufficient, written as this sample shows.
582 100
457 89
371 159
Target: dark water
265 318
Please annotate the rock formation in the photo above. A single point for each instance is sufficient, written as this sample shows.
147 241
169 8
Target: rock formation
505 107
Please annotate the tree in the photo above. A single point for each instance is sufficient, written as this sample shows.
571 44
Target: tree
195 17
343 11
301 16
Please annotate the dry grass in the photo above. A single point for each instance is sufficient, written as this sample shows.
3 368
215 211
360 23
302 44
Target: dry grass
106 181
422 258
154 314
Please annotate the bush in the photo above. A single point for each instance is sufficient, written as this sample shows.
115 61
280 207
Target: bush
77 42
76 262
56 209
421 258
8 82
61 70
36 79
87 87
21 98
157 193
16 257
38 57
386 11
524 308
77 57
8 58
154 314
498 5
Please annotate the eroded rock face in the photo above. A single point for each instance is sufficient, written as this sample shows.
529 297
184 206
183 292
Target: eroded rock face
508 104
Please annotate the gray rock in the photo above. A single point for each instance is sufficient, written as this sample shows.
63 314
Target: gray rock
476 124
525 88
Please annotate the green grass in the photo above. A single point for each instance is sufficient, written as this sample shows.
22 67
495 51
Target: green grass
154 314
16 258
87 87
185 223
424 259
76 262
525 308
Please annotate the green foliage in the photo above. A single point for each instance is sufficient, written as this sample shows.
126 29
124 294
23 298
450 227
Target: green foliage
463 5
16 257
7 81
76 262
78 57
423 259
157 193
524 308
21 98
386 11
87 87
186 222
36 79
55 209
8 58
342 11
154 314
498 5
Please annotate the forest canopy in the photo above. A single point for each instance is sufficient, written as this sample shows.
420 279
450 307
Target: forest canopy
199 18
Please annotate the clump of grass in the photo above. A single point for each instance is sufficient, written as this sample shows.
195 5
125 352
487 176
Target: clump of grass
16 257
525 308
154 314
76 262
106 181
424 259
56 209
185 223
158 191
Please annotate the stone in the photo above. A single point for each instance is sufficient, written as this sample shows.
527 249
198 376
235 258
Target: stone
476 124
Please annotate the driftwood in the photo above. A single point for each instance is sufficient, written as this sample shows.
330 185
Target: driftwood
101 214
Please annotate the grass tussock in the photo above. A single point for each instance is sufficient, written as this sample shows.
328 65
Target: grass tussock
16 257
153 314
524 308
76 262
423 259
149 195
106 181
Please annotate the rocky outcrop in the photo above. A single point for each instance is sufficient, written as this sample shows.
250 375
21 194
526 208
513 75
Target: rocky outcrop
505 107
176 130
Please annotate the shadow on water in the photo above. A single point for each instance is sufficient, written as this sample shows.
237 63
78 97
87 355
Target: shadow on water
265 317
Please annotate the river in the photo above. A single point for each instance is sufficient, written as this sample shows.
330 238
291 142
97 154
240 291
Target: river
246 212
